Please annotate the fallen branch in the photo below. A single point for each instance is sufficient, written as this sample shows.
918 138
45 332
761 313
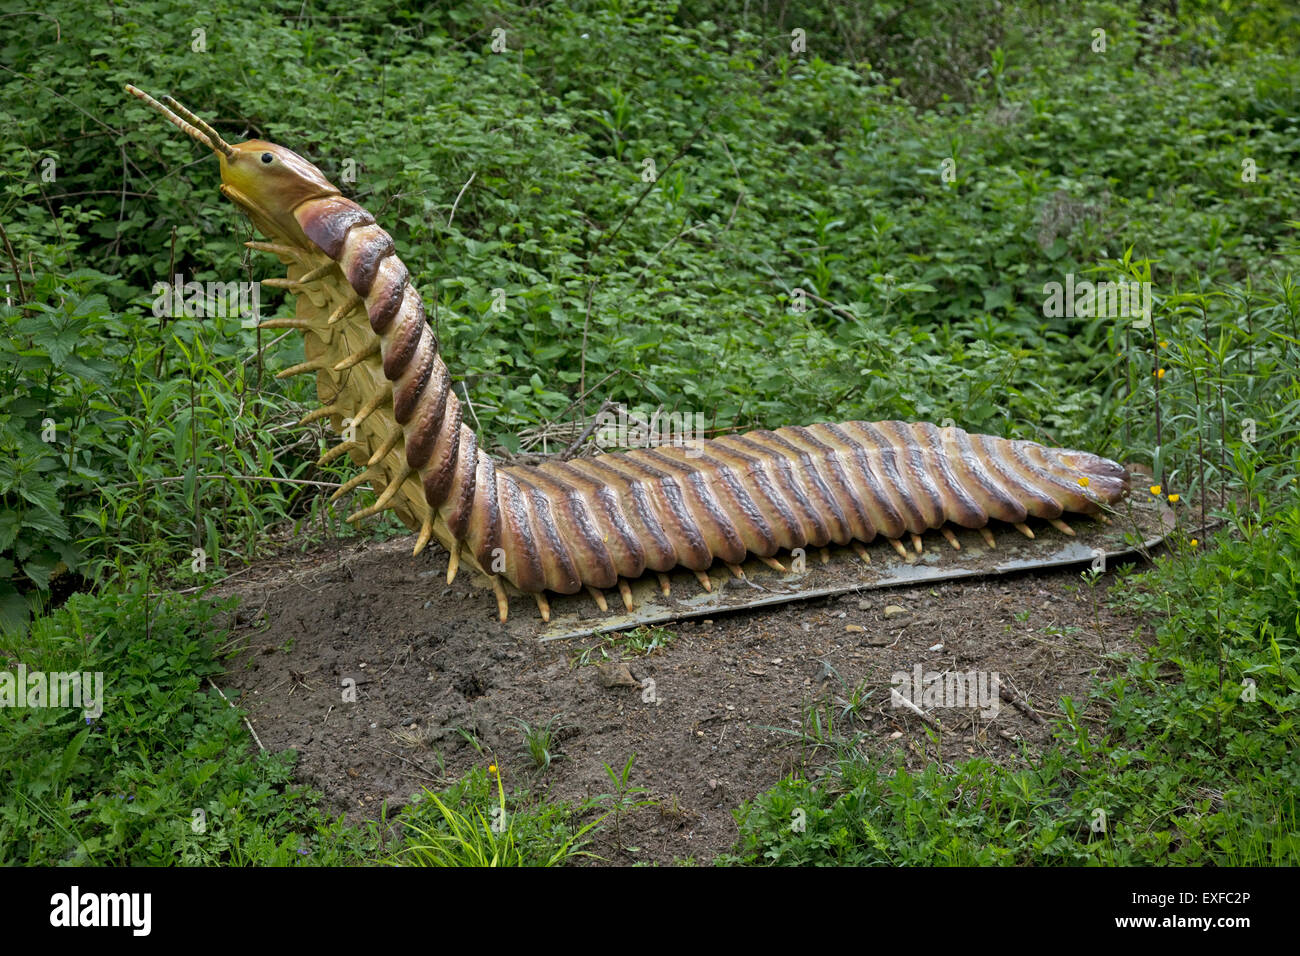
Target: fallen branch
233 707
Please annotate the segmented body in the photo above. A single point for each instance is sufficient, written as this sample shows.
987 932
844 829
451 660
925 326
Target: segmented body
597 522
590 521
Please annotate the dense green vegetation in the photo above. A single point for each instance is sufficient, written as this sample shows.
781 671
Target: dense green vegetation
914 176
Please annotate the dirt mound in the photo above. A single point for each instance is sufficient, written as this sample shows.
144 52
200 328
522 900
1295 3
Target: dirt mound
705 714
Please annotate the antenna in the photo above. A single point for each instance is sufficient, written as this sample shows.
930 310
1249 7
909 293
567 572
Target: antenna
200 130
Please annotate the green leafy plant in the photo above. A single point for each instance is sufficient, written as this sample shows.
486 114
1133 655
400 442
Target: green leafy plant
538 835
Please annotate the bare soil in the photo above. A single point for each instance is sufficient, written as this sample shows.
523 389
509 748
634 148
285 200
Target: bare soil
704 715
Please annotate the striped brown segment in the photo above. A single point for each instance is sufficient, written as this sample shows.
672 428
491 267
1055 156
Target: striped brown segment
577 526
523 565
364 248
404 337
867 481
483 534
431 406
775 520
613 526
328 221
812 527
441 467
659 506
700 491
638 506
390 289
959 505
856 520
978 479
882 457
410 386
460 493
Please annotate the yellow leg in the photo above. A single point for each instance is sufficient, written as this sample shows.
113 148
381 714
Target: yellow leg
319 272
325 411
347 305
426 531
315 365
503 602
352 483
276 248
357 357
341 448
365 411
382 501
389 443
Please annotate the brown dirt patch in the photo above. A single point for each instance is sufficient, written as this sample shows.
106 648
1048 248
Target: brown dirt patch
430 660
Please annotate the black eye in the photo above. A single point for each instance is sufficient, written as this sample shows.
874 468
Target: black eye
266 158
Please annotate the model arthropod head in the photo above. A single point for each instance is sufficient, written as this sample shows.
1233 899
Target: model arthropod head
597 523
265 180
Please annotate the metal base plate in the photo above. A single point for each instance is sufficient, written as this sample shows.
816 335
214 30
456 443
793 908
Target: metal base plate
1135 529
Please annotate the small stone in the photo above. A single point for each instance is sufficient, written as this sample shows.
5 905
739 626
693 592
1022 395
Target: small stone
936 647
854 628
894 610
616 674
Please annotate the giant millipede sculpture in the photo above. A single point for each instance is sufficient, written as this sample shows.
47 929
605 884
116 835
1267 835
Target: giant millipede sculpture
597 522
